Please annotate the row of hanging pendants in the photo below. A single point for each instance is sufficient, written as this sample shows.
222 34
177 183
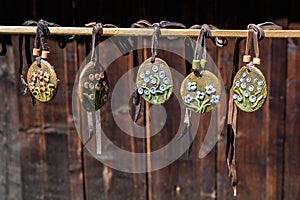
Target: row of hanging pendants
200 90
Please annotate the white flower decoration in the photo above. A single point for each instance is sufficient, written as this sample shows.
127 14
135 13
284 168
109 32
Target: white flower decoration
246 93
154 68
140 91
162 87
142 74
239 98
243 85
188 99
162 74
192 86
166 80
215 99
152 90
146 79
153 81
200 95
252 98
259 88
251 88
209 89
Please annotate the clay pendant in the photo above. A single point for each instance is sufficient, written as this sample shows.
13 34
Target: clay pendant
154 81
200 92
93 87
250 89
42 81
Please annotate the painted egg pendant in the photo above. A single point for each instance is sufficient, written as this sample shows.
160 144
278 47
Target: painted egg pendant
249 88
93 87
42 81
200 92
154 81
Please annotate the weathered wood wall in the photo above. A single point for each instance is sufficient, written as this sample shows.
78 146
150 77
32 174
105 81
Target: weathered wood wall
42 157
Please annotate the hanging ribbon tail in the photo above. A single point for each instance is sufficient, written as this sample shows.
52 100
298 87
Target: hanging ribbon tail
187 123
90 119
231 143
192 143
184 132
137 102
28 60
98 133
230 157
187 130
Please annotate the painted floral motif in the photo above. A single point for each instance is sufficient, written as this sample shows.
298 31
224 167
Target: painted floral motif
39 84
154 83
248 93
95 90
200 100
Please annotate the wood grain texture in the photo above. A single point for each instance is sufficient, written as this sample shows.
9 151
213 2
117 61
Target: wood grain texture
276 130
10 165
291 158
41 153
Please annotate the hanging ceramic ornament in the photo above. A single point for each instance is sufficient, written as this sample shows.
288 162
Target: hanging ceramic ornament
93 81
201 89
249 84
41 77
154 79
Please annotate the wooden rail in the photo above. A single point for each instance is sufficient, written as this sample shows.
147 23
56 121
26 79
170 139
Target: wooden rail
146 32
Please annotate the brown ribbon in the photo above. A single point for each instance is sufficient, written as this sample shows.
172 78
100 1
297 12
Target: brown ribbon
255 34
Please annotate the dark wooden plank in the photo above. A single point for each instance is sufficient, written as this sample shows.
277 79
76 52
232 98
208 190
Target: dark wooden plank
205 138
184 178
275 138
54 122
10 167
292 139
250 152
45 129
102 181
224 190
32 142
72 60
252 129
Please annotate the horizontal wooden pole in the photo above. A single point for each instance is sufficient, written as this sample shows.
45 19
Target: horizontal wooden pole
85 31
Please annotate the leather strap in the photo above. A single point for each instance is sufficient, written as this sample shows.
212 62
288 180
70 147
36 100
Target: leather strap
40 39
123 44
154 43
252 38
201 42
218 41
255 34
